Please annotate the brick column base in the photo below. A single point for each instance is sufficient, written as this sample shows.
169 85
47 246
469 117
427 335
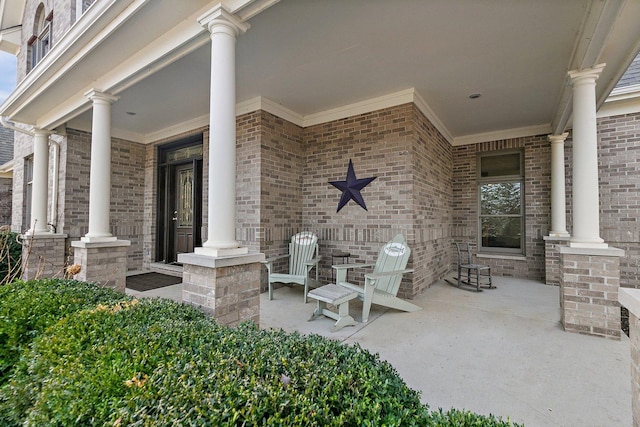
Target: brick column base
104 263
552 258
630 298
589 283
228 288
43 255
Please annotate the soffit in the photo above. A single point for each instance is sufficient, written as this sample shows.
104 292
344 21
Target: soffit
312 56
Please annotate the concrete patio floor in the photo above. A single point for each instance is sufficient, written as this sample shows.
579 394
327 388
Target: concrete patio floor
500 351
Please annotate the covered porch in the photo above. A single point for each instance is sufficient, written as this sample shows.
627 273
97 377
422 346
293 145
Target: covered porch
501 351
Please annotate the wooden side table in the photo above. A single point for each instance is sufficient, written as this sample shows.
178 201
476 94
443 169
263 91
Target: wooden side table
338 296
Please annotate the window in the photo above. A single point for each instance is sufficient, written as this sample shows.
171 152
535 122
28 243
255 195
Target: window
28 186
40 42
501 196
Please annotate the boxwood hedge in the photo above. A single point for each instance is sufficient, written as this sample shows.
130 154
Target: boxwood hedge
156 362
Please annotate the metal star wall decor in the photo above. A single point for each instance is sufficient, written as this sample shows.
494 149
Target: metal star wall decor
351 188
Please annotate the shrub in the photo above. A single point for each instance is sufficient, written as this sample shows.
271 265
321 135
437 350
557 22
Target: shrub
156 362
10 256
28 308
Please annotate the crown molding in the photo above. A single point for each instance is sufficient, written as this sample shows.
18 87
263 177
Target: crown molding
502 134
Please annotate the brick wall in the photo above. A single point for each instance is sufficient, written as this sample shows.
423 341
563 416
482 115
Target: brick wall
127 191
537 188
619 169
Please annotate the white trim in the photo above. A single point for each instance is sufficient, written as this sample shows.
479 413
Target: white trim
619 107
363 107
433 118
265 104
176 129
543 129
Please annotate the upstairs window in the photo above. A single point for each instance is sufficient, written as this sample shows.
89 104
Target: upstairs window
501 197
40 42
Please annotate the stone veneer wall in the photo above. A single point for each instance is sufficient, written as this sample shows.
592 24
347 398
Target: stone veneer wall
537 188
619 169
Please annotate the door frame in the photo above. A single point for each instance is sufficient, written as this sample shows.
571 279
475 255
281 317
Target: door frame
165 226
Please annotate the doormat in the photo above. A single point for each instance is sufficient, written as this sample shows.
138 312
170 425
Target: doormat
149 281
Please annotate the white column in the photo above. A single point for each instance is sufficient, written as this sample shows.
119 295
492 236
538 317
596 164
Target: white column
586 209
39 185
100 175
221 232
558 200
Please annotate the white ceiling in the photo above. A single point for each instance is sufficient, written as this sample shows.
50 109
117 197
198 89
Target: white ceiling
311 56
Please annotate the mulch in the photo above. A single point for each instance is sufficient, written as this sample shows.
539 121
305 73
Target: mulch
149 281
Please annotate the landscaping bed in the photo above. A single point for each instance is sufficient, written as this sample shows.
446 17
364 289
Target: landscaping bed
75 354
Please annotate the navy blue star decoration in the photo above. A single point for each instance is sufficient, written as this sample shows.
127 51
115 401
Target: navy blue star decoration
351 188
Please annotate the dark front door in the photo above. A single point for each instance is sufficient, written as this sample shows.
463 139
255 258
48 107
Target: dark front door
183 212
180 199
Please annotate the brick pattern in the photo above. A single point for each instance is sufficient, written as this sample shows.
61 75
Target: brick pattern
230 294
127 191
537 193
105 265
380 144
619 169
634 336
552 259
43 257
589 294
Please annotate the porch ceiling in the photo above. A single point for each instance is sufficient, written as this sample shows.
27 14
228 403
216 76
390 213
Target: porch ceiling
312 56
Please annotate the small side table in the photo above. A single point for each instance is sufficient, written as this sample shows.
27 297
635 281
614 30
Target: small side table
345 259
335 295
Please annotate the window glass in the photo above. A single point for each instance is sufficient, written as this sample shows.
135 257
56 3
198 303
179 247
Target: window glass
500 196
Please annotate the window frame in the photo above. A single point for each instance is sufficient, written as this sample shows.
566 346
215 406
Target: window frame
520 179
41 41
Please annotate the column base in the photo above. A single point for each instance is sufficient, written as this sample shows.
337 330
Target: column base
98 239
630 298
590 279
43 255
221 252
102 262
228 288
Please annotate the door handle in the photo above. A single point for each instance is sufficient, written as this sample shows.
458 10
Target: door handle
175 215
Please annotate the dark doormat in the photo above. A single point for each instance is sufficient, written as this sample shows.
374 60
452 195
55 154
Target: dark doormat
148 281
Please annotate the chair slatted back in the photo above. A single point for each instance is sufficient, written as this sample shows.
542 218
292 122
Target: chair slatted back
393 256
303 248
464 253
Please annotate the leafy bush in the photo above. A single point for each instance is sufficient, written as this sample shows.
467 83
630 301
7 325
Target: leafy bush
156 362
28 308
10 256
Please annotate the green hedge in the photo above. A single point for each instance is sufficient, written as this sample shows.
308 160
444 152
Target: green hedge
28 308
156 362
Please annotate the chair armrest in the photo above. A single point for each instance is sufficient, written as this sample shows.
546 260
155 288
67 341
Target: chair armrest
313 262
375 276
350 266
275 258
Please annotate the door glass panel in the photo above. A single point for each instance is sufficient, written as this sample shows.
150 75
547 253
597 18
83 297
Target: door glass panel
185 198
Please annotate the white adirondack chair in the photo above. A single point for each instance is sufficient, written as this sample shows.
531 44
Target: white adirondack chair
382 284
303 257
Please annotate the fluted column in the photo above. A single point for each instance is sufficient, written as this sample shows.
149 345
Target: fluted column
558 200
100 176
586 210
221 239
39 186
